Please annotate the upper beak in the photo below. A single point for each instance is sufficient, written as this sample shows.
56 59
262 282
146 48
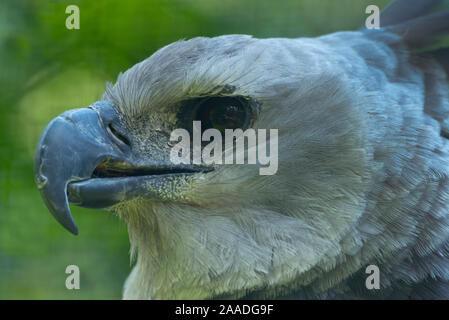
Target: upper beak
70 148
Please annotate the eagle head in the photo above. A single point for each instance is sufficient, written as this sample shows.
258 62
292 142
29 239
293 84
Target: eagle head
220 230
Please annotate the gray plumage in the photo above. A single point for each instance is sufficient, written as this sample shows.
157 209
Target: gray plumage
363 166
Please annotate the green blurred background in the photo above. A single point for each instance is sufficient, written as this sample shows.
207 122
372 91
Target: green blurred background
46 69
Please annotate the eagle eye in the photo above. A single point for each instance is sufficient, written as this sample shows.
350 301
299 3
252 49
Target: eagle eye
217 112
222 113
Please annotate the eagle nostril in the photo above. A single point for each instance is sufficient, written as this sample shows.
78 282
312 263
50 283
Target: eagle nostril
118 137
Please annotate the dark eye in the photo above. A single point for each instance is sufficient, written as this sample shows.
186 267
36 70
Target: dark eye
222 113
217 112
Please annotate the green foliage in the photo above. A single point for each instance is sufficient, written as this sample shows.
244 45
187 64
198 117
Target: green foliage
46 69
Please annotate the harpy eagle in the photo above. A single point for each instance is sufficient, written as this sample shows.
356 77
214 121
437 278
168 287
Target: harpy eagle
363 127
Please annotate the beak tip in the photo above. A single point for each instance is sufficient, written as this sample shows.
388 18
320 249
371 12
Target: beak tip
74 230
64 217
70 226
56 202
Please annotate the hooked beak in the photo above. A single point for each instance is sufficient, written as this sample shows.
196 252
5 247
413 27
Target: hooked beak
73 163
